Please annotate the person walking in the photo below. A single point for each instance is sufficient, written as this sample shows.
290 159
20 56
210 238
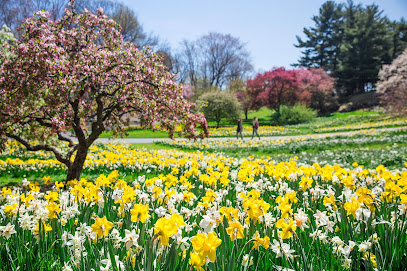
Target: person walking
239 128
255 127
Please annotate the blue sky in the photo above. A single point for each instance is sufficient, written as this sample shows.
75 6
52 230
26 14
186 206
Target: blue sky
268 27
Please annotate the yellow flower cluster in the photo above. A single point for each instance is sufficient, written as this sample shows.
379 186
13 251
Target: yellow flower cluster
247 131
366 125
198 209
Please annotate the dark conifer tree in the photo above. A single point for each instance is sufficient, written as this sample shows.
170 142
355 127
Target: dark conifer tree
352 42
322 44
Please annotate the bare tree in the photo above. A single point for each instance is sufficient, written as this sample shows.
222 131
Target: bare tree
132 30
188 59
13 12
92 5
214 60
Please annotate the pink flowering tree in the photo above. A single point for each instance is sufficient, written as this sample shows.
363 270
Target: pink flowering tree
77 72
317 89
187 91
274 88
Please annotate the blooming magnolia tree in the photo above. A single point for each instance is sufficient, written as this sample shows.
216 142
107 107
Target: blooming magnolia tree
62 75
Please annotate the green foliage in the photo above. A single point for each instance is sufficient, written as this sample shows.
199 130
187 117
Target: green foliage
293 115
352 42
323 41
6 35
220 105
263 115
361 113
364 49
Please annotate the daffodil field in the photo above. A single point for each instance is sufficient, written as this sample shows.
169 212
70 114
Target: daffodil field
336 149
365 125
247 131
177 210
326 126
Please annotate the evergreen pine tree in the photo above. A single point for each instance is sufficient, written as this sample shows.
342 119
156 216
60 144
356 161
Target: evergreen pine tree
322 44
365 48
352 42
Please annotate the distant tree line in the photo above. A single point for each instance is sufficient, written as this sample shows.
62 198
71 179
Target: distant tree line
213 60
14 12
341 56
352 42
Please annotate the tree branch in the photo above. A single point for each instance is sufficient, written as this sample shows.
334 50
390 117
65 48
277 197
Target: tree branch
42 147
65 138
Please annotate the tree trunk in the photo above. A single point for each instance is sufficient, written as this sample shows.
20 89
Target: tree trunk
74 172
246 110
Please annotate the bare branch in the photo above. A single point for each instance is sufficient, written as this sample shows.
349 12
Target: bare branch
65 138
41 147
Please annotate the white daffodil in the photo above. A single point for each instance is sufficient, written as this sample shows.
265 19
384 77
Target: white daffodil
364 246
160 211
207 223
8 230
66 267
131 238
363 214
301 219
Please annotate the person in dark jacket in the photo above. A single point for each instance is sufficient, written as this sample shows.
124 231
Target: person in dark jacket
239 129
255 127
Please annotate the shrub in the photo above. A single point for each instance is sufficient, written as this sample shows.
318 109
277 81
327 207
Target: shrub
220 105
293 114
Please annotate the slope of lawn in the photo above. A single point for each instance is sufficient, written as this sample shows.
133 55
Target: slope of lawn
355 120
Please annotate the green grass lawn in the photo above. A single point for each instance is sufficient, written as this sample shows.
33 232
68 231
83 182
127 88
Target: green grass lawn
362 113
139 133
152 147
260 152
264 116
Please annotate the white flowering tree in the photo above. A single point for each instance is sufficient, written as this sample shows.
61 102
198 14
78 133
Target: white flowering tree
6 37
392 86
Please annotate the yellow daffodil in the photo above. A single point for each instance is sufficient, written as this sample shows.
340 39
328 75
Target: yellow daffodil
287 227
53 210
351 207
235 230
196 261
52 196
44 228
139 213
205 245
164 228
101 226
230 213
257 241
